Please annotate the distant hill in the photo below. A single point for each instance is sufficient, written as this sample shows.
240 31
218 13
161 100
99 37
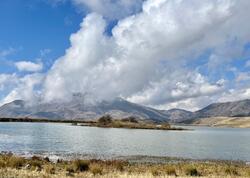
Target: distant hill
78 109
178 115
228 109
218 113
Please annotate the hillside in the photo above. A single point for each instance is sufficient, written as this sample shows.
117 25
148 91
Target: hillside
227 109
235 122
178 115
79 109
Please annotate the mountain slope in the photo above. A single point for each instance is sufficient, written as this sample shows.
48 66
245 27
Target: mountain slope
228 109
78 109
178 115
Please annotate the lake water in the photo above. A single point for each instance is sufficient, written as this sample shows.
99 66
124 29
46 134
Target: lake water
66 140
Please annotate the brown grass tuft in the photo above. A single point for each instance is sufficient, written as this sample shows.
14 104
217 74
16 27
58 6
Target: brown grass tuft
96 169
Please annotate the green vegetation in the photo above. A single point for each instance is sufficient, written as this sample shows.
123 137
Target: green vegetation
13 166
131 123
105 121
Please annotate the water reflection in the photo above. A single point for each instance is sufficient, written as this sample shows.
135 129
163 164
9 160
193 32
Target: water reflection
64 139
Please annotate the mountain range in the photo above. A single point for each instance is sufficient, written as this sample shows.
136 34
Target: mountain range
78 109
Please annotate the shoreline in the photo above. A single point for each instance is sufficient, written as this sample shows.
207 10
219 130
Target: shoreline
112 124
16 166
129 158
87 123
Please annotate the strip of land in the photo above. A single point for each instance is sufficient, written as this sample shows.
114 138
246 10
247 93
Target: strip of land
36 167
233 122
103 122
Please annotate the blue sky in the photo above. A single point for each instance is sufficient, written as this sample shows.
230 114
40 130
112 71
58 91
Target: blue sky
31 27
160 53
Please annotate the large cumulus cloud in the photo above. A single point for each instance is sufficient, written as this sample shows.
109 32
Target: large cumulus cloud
147 58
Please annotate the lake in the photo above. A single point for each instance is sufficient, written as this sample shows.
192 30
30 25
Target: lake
64 140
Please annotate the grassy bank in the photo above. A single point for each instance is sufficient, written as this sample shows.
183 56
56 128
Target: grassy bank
12 166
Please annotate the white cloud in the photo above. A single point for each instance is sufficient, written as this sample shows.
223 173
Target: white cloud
7 80
110 8
235 94
20 87
243 76
29 66
143 59
146 58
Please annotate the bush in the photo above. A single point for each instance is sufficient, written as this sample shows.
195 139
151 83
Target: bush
105 120
231 171
2 164
49 169
130 119
166 126
170 171
190 171
36 164
46 159
15 162
70 169
35 158
155 172
96 169
81 165
117 164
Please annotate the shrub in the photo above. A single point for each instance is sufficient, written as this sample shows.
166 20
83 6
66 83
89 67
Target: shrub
35 158
96 169
36 164
166 125
46 159
105 120
231 171
81 165
117 124
49 169
117 164
170 171
15 162
70 169
130 119
191 171
155 172
2 164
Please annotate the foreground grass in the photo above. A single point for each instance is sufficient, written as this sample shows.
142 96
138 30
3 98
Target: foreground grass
18 167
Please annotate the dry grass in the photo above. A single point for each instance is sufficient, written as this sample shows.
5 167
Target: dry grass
237 122
16 167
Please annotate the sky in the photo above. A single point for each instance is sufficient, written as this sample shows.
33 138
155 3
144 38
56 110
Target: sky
160 53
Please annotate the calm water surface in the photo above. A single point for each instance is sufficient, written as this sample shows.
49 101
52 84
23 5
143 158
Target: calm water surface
66 140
